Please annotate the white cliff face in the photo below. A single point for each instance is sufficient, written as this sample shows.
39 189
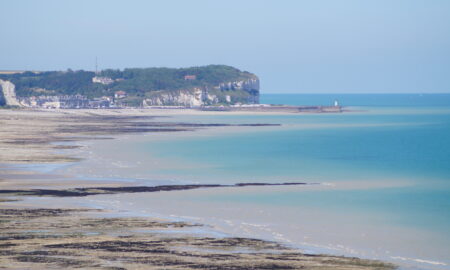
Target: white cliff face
213 99
9 93
247 85
198 97
178 98
245 91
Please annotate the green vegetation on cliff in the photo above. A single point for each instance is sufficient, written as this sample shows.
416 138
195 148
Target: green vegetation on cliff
54 83
137 82
2 98
153 79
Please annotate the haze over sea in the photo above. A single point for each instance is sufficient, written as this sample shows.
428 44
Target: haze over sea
384 170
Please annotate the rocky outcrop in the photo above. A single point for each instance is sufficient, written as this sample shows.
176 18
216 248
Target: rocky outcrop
9 93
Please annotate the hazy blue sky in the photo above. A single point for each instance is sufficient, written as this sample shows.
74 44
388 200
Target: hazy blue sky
293 46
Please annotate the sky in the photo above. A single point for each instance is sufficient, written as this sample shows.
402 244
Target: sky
315 46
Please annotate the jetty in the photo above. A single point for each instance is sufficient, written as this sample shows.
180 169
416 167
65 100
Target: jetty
274 108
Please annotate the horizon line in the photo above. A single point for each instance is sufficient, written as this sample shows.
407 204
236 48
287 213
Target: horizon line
352 93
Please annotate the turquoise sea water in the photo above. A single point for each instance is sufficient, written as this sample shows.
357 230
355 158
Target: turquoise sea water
384 169
366 100
401 142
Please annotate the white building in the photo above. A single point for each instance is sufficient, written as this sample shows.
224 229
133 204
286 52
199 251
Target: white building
102 80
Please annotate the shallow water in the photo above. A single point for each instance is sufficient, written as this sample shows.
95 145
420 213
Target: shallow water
387 169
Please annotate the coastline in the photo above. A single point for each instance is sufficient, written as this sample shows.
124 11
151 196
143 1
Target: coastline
37 145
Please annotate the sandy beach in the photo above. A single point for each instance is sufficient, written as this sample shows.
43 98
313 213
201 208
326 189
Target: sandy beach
49 231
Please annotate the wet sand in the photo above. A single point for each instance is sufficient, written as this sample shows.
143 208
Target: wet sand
60 235
54 238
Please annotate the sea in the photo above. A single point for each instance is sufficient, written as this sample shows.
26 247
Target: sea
378 176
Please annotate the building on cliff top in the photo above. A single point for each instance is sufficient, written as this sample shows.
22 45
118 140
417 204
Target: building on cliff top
102 80
120 94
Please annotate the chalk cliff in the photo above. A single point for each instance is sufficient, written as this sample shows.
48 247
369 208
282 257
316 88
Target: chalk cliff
9 93
235 92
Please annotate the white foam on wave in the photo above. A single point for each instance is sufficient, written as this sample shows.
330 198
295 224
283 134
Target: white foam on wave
254 225
418 260
328 184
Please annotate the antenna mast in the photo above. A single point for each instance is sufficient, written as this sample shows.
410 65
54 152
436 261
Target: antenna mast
96 71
